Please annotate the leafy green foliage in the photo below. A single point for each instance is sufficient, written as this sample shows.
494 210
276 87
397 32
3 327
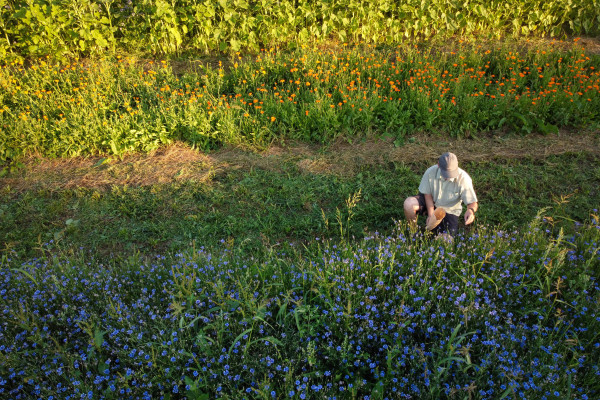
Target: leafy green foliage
63 28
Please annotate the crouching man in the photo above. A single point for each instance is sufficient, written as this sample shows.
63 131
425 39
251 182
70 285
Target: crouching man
443 186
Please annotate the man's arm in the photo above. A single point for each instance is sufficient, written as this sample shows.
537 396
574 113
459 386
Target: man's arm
470 214
430 206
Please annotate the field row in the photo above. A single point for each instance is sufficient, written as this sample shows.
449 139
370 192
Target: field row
121 106
493 315
63 28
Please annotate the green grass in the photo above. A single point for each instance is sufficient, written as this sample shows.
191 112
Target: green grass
261 207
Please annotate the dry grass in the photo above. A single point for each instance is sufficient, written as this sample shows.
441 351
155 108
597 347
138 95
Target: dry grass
176 162
347 159
180 163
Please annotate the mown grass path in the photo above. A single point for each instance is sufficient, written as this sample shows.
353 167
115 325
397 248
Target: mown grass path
178 162
174 197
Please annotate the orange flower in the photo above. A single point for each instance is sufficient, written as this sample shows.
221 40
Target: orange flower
273 119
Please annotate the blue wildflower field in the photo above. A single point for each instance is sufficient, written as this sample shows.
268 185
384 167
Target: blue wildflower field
492 315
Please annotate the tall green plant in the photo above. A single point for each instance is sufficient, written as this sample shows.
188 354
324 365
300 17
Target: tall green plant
57 27
82 27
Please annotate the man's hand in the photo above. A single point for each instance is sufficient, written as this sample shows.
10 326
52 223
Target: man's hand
431 220
469 216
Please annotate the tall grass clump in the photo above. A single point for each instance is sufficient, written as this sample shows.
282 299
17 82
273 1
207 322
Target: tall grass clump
120 106
490 315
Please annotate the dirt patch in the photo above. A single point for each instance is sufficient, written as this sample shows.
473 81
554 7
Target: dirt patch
179 162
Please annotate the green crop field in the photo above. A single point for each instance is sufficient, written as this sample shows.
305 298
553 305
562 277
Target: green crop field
204 199
65 28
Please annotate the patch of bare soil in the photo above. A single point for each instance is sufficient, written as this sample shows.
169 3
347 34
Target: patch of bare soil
178 162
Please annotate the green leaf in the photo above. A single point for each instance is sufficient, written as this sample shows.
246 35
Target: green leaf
98 338
102 161
237 339
269 339
377 392
521 118
102 366
241 4
193 392
547 129
506 393
282 311
113 147
235 44
303 35
27 274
